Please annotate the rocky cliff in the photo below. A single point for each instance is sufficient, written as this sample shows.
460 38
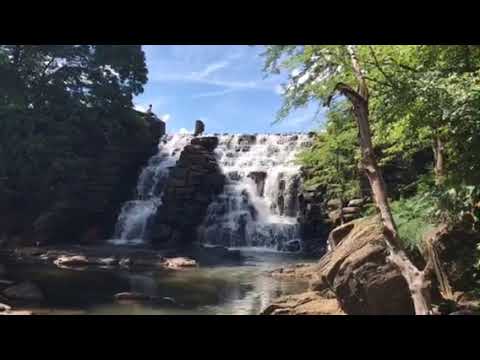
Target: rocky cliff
82 207
192 185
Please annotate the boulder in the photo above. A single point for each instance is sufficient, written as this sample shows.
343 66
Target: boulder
4 283
358 273
25 291
457 252
309 303
17 312
351 210
179 263
199 128
4 308
131 297
335 216
72 261
334 204
259 178
355 203
208 142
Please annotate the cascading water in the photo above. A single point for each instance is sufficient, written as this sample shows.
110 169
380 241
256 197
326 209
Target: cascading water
259 205
135 215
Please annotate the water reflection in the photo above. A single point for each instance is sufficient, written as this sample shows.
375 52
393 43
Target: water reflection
236 290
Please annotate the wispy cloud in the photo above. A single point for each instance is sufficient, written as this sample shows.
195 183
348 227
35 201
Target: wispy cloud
209 69
213 93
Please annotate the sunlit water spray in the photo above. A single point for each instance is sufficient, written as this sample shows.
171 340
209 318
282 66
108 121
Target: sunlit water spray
259 206
135 216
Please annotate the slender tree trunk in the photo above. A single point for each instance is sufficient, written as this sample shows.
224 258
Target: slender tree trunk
417 280
439 156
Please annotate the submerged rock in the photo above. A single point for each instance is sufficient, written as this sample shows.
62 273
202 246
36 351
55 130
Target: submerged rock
25 291
136 297
131 296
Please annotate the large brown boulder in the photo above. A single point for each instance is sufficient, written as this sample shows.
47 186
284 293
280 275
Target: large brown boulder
357 271
457 250
308 303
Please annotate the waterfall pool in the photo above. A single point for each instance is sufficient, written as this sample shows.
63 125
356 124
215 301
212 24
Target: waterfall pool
222 290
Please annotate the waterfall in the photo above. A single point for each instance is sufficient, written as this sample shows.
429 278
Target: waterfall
259 205
135 215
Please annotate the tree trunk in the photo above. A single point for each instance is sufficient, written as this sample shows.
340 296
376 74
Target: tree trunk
417 280
439 156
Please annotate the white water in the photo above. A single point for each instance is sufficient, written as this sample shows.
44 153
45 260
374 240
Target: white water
244 215
135 215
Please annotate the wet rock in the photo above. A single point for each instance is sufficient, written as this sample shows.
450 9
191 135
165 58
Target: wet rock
293 246
17 312
125 262
131 297
179 263
72 261
197 180
4 308
464 312
247 140
25 291
5 283
259 179
208 142
107 261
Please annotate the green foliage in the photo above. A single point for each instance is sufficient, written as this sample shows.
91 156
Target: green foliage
413 219
456 202
61 108
331 164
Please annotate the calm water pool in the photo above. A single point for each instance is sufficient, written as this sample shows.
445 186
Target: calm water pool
229 290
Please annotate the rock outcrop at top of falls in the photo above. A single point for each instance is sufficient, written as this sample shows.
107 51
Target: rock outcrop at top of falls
192 184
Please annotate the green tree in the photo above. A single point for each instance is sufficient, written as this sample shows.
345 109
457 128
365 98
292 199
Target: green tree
328 69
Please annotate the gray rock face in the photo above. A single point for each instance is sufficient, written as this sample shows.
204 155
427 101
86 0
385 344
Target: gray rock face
193 183
259 178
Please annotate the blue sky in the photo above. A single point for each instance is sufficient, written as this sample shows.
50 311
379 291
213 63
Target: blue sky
223 85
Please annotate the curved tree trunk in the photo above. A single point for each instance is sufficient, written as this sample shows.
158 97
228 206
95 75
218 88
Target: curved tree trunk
439 157
417 280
